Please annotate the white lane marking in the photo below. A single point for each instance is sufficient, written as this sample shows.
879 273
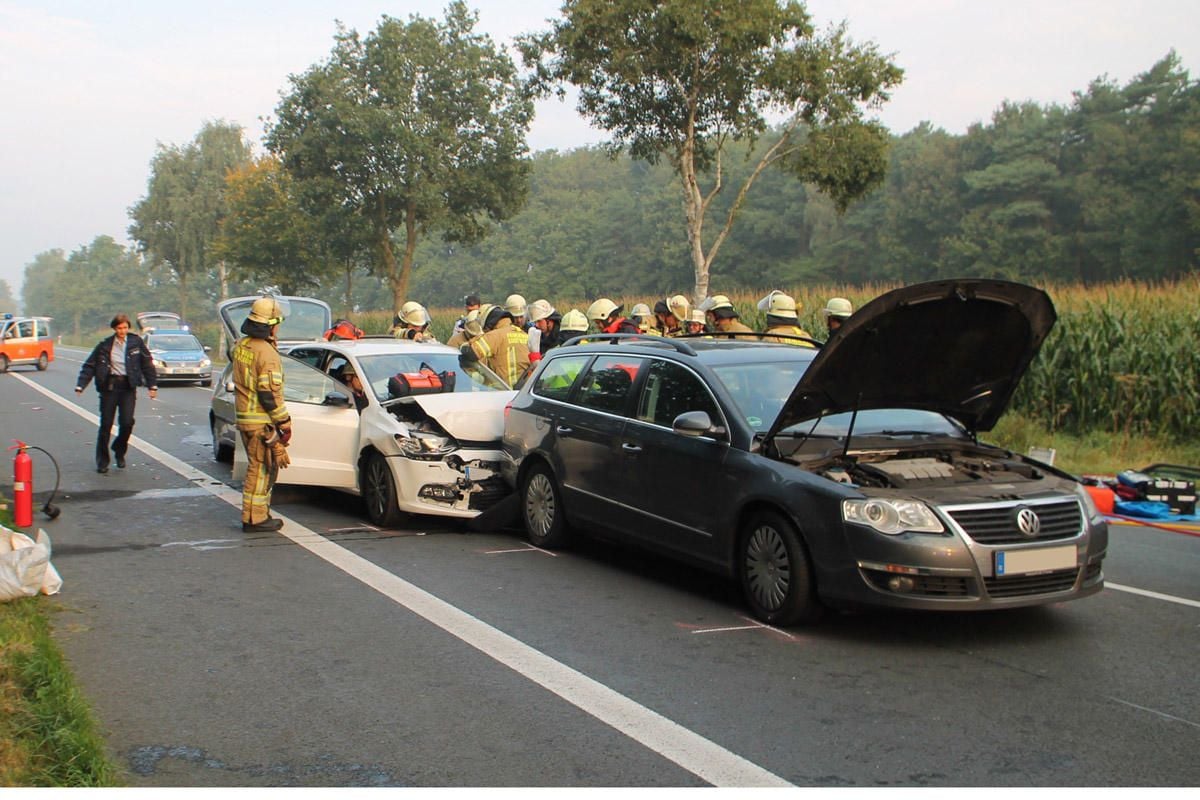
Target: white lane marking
1154 711
1169 598
691 751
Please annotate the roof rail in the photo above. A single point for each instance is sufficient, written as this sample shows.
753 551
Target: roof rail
755 335
632 338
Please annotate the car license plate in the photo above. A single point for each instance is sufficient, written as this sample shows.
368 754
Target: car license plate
1043 559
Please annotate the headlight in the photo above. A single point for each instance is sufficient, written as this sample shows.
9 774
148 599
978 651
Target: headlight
204 362
422 444
892 516
160 364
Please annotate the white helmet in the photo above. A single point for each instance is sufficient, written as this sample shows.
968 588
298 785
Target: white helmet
715 302
472 325
678 305
515 305
270 310
640 310
838 307
414 314
574 321
778 304
539 309
602 309
697 316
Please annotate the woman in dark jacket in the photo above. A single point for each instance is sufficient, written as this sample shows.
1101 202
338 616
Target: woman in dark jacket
120 364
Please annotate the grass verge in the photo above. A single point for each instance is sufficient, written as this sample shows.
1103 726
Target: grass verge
48 735
1097 453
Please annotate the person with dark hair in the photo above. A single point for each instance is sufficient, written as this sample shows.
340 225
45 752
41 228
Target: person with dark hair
470 303
120 364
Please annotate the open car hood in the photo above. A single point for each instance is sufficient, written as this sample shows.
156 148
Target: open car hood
307 321
468 416
958 347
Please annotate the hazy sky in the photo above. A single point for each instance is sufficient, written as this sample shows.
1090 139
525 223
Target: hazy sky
90 87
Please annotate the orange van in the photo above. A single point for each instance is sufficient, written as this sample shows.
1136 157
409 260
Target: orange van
25 340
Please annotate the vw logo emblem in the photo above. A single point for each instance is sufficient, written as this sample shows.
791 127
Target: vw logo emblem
1028 523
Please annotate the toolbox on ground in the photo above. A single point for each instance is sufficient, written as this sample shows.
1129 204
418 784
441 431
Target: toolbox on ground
1178 494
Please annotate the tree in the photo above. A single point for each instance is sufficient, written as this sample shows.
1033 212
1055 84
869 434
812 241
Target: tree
686 78
7 301
417 128
178 220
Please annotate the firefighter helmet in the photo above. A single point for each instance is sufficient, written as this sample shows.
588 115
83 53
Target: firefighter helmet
602 309
778 304
574 321
838 307
515 305
269 309
414 314
539 310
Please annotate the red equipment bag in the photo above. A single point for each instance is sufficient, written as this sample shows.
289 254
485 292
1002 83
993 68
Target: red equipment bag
410 384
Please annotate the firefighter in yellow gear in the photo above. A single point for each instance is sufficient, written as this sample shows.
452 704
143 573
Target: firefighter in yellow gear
723 316
262 415
781 320
503 347
470 328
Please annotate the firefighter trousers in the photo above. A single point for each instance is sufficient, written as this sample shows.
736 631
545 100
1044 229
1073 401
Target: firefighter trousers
261 472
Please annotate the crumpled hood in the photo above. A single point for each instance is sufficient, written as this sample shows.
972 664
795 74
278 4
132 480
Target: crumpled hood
958 347
468 416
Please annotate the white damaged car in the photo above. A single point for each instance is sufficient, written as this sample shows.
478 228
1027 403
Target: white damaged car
423 437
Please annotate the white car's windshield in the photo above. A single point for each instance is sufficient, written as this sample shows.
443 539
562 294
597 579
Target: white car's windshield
470 378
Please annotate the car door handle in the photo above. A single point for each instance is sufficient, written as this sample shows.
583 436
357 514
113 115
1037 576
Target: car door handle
632 449
564 430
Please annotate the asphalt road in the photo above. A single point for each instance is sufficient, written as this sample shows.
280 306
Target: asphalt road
334 654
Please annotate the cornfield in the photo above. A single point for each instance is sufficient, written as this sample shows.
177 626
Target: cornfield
1123 357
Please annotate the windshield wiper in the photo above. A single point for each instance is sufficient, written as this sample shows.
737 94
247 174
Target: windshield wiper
907 433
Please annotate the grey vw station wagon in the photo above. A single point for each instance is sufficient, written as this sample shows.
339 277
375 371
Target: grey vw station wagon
846 477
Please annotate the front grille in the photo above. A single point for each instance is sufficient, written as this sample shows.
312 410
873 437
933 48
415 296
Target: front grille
998 524
491 491
1024 585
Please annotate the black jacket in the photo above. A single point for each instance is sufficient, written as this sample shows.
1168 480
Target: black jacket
139 364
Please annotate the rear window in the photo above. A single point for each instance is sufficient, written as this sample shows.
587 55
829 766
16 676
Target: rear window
608 384
558 376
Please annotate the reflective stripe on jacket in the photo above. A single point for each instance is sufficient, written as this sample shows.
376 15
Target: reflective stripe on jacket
257 371
504 350
786 330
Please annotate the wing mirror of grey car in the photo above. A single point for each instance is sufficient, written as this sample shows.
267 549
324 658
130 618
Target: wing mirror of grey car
696 423
207 349
337 399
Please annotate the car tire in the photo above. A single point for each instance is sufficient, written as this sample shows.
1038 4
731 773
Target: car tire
775 571
43 362
542 509
379 493
221 451
3 364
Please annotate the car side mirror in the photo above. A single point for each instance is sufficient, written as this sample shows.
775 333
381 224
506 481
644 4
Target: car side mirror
207 349
337 399
696 423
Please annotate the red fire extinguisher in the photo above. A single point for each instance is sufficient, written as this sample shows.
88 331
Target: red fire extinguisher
22 486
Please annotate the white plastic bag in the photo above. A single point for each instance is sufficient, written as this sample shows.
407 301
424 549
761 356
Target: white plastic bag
25 567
